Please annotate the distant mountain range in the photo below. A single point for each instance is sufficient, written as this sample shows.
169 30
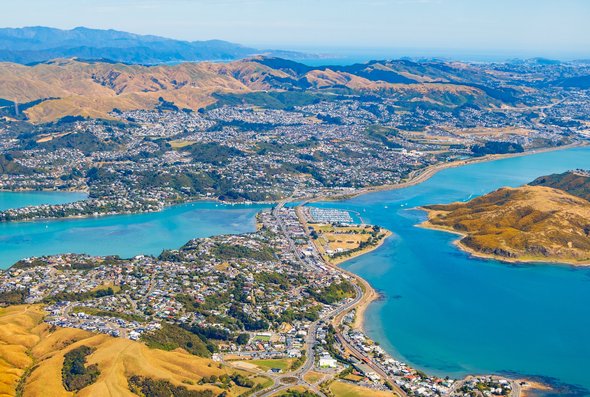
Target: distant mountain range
39 44
130 72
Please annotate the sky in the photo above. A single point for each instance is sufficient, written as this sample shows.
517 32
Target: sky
511 28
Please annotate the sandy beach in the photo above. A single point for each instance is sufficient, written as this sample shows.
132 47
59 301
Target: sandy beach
529 386
369 294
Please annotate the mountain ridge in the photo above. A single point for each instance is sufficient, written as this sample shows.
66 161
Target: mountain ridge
67 87
36 44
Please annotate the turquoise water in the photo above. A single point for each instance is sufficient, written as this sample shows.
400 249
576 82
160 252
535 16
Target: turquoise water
124 235
451 314
24 199
443 311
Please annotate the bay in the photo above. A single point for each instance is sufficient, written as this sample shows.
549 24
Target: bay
24 199
443 311
124 235
448 313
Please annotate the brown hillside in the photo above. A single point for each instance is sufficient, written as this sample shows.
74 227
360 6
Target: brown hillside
93 89
530 223
28 344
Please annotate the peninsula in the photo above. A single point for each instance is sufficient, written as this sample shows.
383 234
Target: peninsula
547 220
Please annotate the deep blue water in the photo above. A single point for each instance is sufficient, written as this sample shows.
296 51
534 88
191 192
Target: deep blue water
450 314
124 235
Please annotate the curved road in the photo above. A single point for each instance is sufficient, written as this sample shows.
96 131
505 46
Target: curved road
312 331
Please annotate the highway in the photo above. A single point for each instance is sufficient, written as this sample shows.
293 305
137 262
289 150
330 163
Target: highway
337 315
311 340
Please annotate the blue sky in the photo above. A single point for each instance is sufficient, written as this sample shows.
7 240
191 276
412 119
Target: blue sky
559 28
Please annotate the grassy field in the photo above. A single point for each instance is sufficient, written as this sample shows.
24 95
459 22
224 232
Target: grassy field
179 144
347 239
26 342
266 365
332 238
19 332
313 377
353 378
105 286
342 389
299 389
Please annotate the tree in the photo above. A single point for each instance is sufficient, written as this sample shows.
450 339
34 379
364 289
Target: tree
242 339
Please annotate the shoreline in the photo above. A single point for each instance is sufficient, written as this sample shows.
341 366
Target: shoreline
337 262
522 387
113 214
530 386
431 170
416 177
370 295
481 255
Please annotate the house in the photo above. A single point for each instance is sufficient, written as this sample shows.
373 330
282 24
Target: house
327 362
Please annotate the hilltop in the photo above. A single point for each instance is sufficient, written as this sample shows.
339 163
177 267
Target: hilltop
575 182
40 44
532 223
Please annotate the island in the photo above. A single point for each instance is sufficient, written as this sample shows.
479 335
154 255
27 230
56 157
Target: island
547 220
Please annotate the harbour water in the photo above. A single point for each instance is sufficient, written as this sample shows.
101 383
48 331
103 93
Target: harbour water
24 199
442 310
124 235
451 314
